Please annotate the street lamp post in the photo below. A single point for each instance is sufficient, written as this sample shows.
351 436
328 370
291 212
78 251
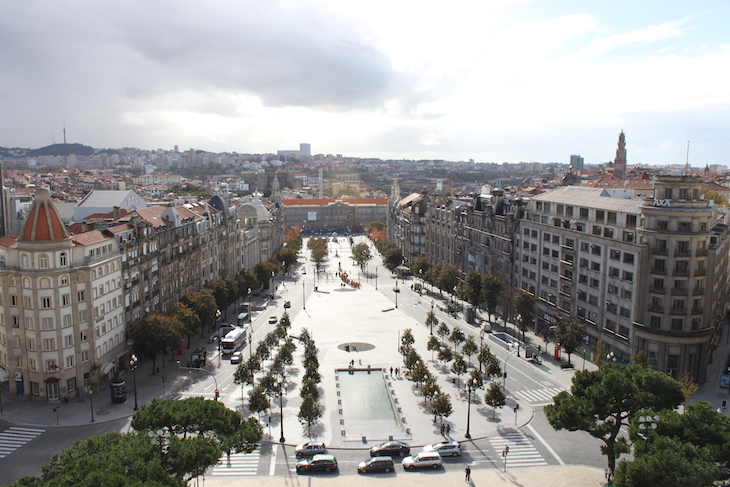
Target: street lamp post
647 423
504 372
91 401
396 291
281 413
133 365
470 383
376 278
218 322
304 297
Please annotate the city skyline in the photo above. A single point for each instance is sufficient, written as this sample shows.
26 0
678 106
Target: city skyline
506 81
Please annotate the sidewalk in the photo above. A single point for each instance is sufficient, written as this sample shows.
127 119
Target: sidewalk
568 476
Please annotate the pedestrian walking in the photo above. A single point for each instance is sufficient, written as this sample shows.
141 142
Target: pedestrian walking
448 429
443 428
391 371
397 372
467 471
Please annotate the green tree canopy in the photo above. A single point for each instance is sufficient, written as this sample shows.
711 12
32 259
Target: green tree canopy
153 335
264 271
287 256
495 398
196 416
203 304
309 412
524 304
420 266
441 406
570 334
362 255
448 278
601 402
127 460
187 318
492 288
691 448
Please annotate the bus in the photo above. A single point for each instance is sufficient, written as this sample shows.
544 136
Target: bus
235 340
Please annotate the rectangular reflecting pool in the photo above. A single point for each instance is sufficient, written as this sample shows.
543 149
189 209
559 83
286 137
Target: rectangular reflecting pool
365 396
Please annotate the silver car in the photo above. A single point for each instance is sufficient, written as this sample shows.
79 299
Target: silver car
425 459
310 448
445 448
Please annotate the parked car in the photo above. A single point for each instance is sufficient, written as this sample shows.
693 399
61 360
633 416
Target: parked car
445 448
310 448
390 449
425 459
218 334
317 463
273 320
287 304
237 357
376 464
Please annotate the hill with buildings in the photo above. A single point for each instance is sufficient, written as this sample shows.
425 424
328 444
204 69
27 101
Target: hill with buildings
49 150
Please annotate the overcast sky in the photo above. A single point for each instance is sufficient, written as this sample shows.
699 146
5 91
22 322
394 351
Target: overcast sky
489 80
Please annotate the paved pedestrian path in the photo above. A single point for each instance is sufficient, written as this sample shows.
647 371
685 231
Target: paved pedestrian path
539 397
14 437
238 464
522 453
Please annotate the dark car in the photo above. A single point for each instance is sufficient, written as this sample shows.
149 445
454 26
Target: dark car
317 463
287 304
390 449
376 464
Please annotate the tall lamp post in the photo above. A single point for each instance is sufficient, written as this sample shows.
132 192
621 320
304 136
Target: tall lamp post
470 383
218 322
133 365
396 291
304 297
504 376
376 278
91 401
281 413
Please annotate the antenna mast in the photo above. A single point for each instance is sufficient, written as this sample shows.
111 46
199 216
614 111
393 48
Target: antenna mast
686 164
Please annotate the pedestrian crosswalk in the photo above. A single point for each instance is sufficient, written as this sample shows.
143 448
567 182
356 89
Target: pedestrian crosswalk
521 452
238 464
13 438
539 396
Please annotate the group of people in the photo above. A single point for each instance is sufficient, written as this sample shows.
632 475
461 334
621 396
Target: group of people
397 372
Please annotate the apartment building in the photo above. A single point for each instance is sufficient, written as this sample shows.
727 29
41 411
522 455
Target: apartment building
61 305
579 253
643 274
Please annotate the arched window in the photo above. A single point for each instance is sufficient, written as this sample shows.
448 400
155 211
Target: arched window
93 274
24 262
45 283
79 277
43 261
64 280
63 259
26 283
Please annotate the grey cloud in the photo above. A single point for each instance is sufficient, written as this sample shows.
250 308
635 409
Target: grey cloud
144 49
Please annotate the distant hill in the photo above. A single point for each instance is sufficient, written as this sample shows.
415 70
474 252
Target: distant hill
50 150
